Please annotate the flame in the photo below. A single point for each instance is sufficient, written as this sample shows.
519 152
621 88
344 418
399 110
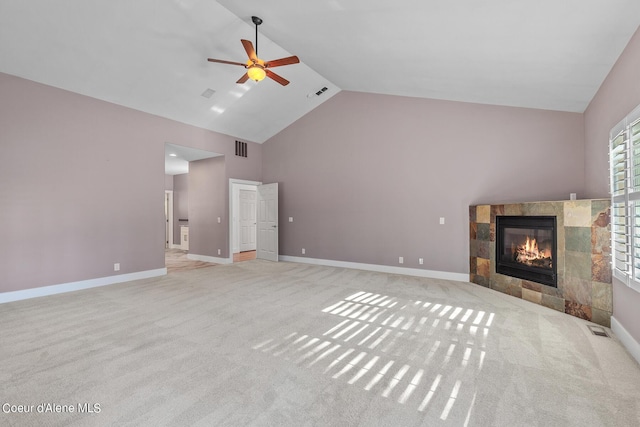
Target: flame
531 247
530 251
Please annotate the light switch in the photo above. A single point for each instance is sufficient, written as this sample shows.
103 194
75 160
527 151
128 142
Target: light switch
290 219
218 220
441 220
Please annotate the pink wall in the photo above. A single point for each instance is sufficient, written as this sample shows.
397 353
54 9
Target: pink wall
82 184
168 182
208 200
618 95
367 177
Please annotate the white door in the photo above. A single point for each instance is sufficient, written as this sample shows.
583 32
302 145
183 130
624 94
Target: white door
268 222
247 220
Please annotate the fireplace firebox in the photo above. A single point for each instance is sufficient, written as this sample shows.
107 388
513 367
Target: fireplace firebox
526 248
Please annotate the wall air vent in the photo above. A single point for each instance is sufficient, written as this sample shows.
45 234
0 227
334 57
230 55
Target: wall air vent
241 149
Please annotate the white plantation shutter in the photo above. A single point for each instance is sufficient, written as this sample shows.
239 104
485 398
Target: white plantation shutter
624 155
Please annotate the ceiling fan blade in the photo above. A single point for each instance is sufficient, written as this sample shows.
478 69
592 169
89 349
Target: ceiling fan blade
221 61
243 78
248 46
282 61
276 77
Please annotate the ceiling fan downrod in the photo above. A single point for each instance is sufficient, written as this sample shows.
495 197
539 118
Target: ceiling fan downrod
256 21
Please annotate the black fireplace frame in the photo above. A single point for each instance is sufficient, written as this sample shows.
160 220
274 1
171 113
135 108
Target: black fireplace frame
545 276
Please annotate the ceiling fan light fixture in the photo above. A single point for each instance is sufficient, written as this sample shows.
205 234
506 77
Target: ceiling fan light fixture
256 73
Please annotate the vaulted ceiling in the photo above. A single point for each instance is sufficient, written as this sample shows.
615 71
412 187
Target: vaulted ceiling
151 55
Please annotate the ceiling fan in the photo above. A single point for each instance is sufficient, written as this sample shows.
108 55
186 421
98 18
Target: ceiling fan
257 69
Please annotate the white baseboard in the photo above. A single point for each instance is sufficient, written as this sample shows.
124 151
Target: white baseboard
206 258
460 277
626 338
77 286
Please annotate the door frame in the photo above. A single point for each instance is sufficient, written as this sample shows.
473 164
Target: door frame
168 197
232 183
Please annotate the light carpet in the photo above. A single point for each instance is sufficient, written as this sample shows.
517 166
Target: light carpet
285 344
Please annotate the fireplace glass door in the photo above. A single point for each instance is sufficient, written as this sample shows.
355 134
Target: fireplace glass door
526 248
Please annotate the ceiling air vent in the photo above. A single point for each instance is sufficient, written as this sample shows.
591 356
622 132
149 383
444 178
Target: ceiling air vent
208 93
241 149
318 93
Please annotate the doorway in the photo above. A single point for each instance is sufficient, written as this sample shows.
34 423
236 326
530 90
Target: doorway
243 224
176 169
266 220
247 219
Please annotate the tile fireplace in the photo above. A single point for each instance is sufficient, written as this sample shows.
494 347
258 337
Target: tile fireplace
562 248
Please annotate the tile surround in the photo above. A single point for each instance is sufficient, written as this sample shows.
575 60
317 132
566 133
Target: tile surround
584 256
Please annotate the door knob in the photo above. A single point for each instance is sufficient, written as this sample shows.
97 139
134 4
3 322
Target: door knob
274 226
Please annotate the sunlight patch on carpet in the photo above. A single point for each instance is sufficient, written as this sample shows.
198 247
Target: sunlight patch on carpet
410 351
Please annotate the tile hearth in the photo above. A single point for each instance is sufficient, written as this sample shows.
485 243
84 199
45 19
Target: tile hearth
584 254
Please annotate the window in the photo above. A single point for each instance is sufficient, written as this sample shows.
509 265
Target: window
624 162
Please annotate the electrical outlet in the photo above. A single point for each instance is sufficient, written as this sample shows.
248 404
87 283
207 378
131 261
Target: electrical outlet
116 266
304 251
219 251
290 219
401 260
441 220
219 220
420 261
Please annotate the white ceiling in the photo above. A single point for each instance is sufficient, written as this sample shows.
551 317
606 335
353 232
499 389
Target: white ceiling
151 54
